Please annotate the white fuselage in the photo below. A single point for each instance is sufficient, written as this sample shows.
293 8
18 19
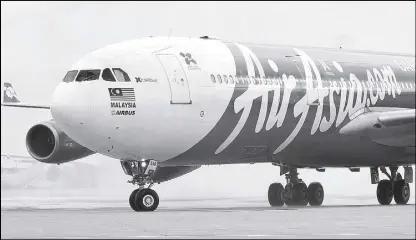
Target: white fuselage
158 129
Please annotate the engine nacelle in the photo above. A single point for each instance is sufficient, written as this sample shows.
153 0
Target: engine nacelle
47 144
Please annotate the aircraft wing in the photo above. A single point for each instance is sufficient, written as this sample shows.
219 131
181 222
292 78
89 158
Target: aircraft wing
10 99
389 127
24 106
19 158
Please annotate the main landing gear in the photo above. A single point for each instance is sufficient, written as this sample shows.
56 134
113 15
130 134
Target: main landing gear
395 187
141 199
295 193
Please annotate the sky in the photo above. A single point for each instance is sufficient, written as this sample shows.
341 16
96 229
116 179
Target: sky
41 40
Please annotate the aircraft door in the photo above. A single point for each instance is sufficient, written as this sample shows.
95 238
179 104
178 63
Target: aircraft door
178 82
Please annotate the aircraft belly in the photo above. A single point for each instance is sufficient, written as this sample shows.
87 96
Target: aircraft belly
333 150
329 149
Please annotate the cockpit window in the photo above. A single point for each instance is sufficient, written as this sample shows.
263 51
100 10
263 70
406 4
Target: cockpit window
121 75
88 75
108 76
70 76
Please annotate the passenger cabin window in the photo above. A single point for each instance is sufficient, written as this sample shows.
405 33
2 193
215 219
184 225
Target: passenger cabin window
243 79
254 81
70 76
213 78
219 78
231 79
121 75
225 79
108 76
88 75
246 80
238 79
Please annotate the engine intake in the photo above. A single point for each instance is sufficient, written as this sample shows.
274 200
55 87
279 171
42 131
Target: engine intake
46 143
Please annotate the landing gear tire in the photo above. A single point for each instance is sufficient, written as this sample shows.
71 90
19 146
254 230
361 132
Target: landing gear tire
132 202
288 195
300 194
315 194
146 200
296 192
275 194
385 192
401 192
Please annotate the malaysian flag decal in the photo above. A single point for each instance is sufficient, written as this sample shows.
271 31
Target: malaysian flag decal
122 94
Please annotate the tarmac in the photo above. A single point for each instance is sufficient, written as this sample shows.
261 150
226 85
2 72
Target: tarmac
204 218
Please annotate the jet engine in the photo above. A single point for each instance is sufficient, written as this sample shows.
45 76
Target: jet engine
48 144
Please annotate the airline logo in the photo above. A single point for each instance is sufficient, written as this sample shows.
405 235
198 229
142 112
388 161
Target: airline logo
188 58
9 94
190 61
139 79
122 94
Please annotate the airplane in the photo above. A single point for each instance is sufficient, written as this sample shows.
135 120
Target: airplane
165 106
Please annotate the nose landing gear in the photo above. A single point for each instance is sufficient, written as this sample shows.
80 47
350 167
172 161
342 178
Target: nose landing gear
144 199
141 199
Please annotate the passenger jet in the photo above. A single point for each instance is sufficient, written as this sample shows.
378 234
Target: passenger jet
165 106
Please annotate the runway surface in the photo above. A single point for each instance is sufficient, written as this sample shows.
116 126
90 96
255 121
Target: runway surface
203 218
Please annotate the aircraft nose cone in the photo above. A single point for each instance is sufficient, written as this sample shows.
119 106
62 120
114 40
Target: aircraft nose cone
68 105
